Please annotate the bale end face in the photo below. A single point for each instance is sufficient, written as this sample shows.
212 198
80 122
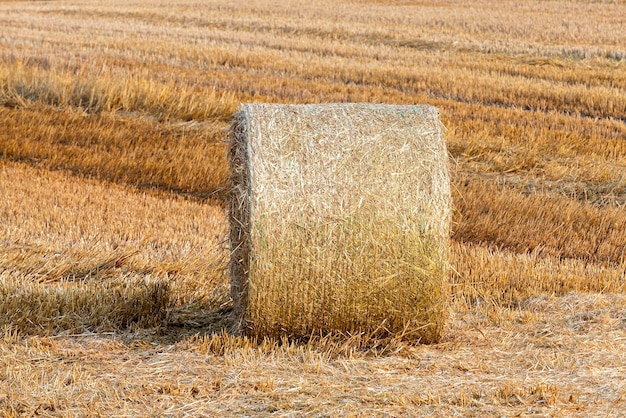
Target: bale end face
339 220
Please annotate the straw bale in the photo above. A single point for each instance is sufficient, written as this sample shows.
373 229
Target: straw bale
339 220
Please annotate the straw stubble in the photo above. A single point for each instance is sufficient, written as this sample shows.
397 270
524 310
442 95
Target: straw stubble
339 220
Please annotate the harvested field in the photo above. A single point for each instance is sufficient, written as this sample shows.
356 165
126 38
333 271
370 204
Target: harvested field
114 290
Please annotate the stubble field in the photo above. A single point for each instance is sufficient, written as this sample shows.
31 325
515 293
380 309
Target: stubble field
113 179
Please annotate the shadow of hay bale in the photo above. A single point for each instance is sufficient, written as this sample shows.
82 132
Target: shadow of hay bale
75 307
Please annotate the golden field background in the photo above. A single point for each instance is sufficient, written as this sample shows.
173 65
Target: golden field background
113 179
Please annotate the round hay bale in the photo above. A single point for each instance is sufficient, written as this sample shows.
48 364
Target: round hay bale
339 219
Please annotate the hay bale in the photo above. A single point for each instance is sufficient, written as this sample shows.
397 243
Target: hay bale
339 220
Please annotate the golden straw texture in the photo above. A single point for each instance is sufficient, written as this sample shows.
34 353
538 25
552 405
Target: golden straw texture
339 220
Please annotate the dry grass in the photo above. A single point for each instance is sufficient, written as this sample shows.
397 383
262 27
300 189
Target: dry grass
555 225
367 248
113 172
186 158
552 357
22 85
73 258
